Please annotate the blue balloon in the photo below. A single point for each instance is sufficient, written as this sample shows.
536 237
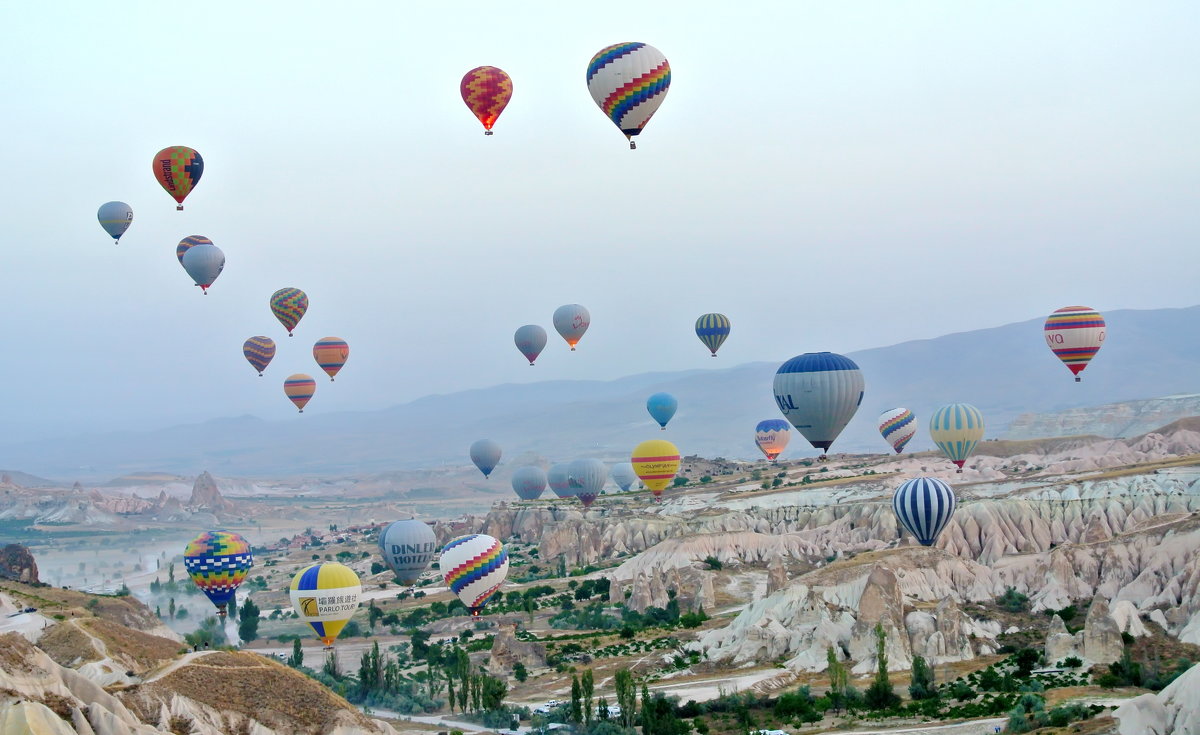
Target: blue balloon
662 407
924 505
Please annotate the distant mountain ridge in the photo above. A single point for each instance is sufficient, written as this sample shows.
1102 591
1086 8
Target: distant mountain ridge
1005 371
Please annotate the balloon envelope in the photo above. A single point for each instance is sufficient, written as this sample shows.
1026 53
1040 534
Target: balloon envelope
529 482
204 263
331 353
300 389
772 437
218 562
188 243
530 340
559 479
485 453
407 547
898 426
474 567
590 475
178 170
623 475
571 321
819 392
115 218
628 81
924 505
712 329
1075 334
325 596
956 429
486 91
662 407
259 352
288 305
656 462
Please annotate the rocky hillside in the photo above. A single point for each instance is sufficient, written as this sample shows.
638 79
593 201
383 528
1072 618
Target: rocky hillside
1128 418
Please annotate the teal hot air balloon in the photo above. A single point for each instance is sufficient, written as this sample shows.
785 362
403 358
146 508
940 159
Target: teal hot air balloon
956 429
485 453
407 547
115 218
712 329
819 392
662 407
624 475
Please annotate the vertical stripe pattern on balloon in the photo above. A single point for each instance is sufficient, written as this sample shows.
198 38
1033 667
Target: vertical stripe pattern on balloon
956 429
819 392
712 329
924 505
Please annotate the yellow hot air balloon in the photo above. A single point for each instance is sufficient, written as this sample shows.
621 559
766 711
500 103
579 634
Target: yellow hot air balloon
656 462
325 596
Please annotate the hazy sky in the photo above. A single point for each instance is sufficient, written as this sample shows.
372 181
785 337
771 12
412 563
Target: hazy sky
830 175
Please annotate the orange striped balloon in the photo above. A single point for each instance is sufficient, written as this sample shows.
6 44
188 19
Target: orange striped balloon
486 90
300 388
331 353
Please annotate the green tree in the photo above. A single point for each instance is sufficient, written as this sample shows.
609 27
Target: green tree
679 481
839 679
922 686
370 670
1013 601
880 694
171 608
332 669
626 697
520 673
530 605
575 713
296 660
588 685
491 693
248 622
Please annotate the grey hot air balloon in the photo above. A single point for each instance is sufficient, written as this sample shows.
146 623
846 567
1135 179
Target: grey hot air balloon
204 263
530 340
819 392
408 547
623 475
590 475
485 453
559 478
115 218
571 321
529 482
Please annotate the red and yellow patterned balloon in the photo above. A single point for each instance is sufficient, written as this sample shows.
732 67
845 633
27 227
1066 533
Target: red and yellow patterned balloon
486 90
178 169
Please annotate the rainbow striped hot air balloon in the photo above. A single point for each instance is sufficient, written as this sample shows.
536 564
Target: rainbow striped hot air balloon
178 170
1075 334
956 429
486 90
188 243
656 463
629 81
259 352
300 388
474 567
331 353
325 596
712 329
898 426
289 305
218 562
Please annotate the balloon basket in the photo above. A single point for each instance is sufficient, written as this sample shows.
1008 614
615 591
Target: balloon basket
179 208
487 132
1078 379
572 349
633 145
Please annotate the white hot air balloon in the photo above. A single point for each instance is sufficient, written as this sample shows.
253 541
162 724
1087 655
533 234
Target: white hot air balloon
474 567
819 392
115 218
204 263
571 321
628 81
590 475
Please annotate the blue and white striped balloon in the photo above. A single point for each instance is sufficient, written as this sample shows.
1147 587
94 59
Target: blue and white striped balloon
924 505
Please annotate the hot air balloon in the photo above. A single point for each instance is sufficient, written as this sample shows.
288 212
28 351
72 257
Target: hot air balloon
218 562
486 90
924 505
259 352
531 340
956 429
407 547
474 567
772 437
662 407
300 388
204 263
529 482
115 218
325 596
898 426
288 305
629 81
1075 334
712 329
331 353
559 479
178 169
590 475
485 453
571 321
623 475
188 243
819 392
656 462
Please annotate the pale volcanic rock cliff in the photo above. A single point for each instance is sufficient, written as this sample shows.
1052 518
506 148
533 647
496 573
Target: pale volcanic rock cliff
1173 711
